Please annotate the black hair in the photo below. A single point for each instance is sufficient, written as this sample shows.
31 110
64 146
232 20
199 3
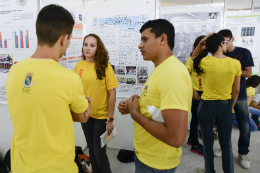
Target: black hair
212 45
253 81
196 42
226 33
53 21
159 27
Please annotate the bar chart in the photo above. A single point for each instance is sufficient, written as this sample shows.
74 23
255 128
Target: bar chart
21 39
3 41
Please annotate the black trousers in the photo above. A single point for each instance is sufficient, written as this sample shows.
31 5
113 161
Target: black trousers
93 129
194 121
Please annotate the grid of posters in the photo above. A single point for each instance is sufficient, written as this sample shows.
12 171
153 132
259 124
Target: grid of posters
189 26
119 31
246 30
17 36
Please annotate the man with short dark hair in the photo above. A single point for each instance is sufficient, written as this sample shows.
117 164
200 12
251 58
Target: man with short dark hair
44 99
168 88
241 107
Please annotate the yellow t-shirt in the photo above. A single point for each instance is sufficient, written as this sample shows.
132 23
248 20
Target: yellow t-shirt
168 87
95 88
218 77
40 96
250 92
195 78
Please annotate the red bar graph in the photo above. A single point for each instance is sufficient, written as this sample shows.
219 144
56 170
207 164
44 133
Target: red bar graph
1 43
17 42
5 43
22 40
27 39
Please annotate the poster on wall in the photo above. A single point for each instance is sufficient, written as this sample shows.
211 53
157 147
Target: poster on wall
74 51
189 26
17 36
246 30
119 31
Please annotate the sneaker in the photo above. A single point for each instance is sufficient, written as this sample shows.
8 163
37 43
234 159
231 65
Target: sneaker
244 161
198 149
218 153
189 141
201 170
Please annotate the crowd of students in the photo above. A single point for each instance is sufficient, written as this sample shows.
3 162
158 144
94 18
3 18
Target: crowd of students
44 99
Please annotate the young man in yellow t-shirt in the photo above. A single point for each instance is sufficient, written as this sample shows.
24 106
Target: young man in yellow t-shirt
44 99
169 87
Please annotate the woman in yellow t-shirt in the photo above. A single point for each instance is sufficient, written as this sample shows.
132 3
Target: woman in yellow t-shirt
220 76
196 147
99 83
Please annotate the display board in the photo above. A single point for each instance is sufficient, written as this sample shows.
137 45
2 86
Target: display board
73 53
191 22
119 31
17 36
245 27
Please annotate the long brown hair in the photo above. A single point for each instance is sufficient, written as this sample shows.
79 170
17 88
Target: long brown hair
101 57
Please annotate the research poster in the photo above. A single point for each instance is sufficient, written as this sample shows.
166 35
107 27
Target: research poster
119 31
246 30
17 36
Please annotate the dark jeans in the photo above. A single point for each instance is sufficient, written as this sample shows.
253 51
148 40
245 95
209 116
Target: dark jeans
194 123
221 111
143 168
93 129
242 116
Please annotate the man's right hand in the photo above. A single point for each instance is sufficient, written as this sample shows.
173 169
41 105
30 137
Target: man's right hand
122 107
195 96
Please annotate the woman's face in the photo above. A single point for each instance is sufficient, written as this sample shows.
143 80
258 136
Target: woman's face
203 46
90 47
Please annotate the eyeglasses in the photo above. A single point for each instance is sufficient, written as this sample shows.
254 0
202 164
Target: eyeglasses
225 41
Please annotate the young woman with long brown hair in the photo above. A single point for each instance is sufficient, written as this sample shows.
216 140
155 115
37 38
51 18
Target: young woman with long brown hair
99 83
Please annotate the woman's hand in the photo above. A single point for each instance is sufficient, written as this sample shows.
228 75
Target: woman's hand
109 127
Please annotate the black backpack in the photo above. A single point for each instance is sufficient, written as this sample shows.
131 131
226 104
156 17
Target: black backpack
6 165
126 156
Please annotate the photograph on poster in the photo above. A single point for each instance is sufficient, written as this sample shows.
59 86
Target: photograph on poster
213 16
142 75
6 62
131 81
119 70
121 79
247 41
247 31
131 71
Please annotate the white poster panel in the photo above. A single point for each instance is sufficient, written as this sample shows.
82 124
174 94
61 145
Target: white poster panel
17 36
119 31
245 28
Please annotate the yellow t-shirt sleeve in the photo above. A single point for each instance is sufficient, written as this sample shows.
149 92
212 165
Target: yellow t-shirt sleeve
79 103
189 64
76 68
111 81
250 91
175 91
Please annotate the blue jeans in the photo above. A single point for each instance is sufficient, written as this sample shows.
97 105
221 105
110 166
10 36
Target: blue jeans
254 111
242 116
252 124
143 168
221 111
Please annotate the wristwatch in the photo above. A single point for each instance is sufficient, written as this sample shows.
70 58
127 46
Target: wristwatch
111 119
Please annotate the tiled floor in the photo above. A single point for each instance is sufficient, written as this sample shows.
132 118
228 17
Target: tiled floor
190 161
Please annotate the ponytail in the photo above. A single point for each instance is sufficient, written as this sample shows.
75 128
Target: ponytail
212 45
197 60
